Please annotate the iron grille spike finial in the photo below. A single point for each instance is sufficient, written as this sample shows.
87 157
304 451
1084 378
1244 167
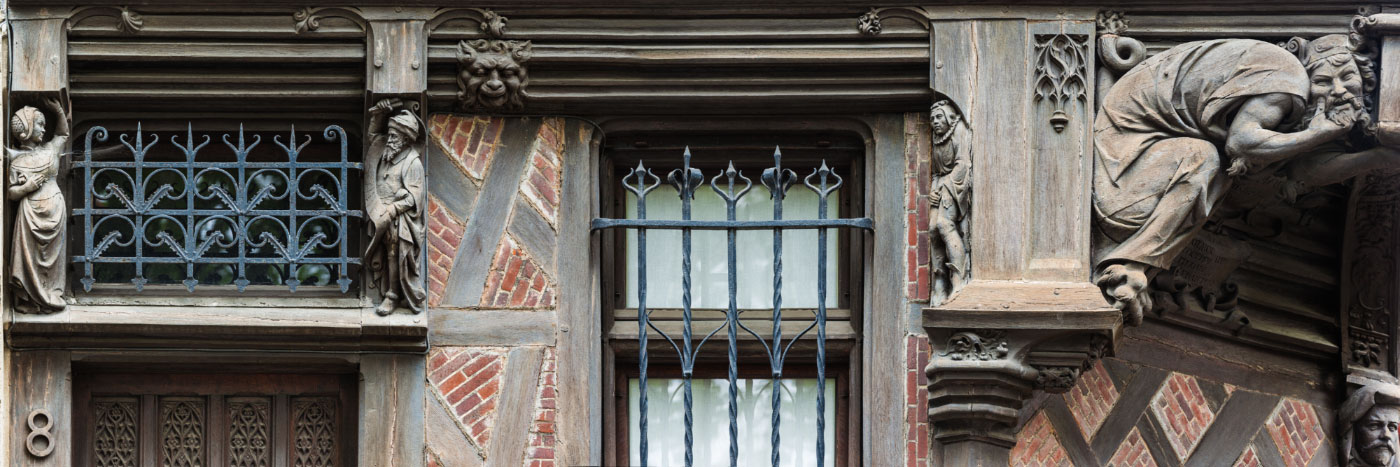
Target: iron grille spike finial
778 180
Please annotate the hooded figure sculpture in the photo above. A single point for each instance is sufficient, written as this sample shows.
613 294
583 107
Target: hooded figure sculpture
37 262
394 204
1368 422
1178 131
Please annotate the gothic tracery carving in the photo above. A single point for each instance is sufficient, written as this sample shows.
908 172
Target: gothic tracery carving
1060 69
114 433
248 441
182 432
313 432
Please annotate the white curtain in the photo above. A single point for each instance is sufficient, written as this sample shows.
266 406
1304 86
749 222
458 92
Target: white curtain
666 422
709 253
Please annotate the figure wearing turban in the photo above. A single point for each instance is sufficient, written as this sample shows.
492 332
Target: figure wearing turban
37 262
394 203
1184 127
1368 421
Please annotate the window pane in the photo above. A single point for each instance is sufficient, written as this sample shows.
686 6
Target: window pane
666 421
709 254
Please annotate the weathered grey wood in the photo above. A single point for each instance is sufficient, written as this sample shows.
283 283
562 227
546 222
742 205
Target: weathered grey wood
39 60
579 352
1234 426
1133 400
221 26
534 233
1064 422
999 217
1060 166
884 364
283 52
398 57
41 381
446 439
484 229
391 410
491 327
449 184
515 413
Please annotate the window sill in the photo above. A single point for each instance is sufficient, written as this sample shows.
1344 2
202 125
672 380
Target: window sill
301 324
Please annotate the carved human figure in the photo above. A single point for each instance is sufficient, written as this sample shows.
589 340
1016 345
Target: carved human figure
1368 421
1183 128
37 261
491 74
394 183
950 198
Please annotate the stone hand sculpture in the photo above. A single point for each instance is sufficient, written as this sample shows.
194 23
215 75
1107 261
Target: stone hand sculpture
950 198
38 262
1180 130
394 198
1368 421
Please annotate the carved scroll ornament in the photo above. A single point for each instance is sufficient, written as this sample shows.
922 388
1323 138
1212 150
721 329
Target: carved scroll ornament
1366 425
394 197
1156 185
38 265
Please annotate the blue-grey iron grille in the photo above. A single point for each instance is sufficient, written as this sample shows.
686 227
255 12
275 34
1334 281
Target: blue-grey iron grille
230 219
641 181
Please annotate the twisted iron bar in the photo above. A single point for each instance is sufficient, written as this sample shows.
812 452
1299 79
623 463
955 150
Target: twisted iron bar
640 181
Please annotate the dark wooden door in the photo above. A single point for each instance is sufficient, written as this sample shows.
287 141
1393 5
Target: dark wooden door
214 420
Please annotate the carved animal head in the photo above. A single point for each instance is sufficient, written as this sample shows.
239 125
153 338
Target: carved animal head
491 74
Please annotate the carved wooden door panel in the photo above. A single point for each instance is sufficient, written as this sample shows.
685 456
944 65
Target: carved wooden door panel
214 420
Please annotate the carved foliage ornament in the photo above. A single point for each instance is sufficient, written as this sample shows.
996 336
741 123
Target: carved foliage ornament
980 345
1056 379
1060 69
491 74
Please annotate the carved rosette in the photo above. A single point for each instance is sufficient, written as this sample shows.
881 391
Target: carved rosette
1060 73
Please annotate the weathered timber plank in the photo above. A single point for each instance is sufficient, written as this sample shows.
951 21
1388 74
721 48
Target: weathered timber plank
998 120
39 63
446 438
678 29
264 52
1235 424
1070 438
534 233
42 381
579 352
764 55
391 410
487 223
884 339
516 411
491 327
447 182
1059 171
398 56
1132 402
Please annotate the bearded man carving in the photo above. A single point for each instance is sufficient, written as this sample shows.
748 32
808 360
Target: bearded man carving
1183 127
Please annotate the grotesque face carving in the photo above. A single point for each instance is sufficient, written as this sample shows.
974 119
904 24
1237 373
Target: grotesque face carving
491 74
1339 76
1375 435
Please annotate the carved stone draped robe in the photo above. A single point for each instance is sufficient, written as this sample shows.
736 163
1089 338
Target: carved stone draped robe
1189 91
396 190
37 264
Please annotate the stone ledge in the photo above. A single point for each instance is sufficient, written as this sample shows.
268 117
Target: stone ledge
304 328
1025 305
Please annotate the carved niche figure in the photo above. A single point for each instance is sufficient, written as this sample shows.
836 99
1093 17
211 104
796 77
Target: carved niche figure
394 183
491 74
37 261
950 198
1178 132
1368 421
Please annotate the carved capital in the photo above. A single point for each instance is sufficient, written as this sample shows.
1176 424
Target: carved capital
995 344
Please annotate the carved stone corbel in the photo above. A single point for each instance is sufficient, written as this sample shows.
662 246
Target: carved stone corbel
993 347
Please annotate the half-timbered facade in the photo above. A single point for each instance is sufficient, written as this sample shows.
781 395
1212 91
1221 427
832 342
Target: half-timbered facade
436 233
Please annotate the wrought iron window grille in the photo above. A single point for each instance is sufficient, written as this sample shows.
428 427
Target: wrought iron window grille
778 180
240 220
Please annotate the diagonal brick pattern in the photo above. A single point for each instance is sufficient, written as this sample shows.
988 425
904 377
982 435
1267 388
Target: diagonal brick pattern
468 380
1184 413
516 280
1091 399
1037 446
1132 453
541 450
1249 459
1297 431
540 185
470 141
444 236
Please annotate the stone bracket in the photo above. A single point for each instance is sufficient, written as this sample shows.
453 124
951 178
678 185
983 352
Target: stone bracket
997 342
